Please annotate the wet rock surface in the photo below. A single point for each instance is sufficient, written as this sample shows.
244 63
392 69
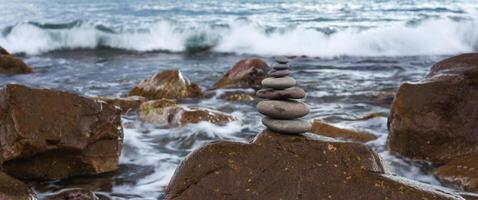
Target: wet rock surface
10 65
126 104
461 172
322 128
3 51
247 73
170 84
167 113
51 134
277 166
436 119
13 189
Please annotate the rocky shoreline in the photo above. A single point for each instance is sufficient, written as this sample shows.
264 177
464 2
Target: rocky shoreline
52 135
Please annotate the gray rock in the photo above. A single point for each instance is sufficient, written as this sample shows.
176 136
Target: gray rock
281 59
295 126
289 93
278 73
283 109
280 66
279 83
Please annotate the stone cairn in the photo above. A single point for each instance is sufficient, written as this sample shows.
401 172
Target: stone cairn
282 110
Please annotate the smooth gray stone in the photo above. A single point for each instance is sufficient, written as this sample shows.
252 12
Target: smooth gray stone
281 59
289 93
283 109
279 83
295 126
279 66
278 73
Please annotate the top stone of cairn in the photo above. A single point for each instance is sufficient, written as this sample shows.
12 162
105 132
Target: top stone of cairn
281 59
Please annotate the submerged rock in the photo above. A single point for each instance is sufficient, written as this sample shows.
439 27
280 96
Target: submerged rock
322 128
126 104
277 166
10 65
238 96
13 189
51 134
436 119
76 194
165 112
247 73
462 172
169 84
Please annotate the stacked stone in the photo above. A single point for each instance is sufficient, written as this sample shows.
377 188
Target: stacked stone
282 108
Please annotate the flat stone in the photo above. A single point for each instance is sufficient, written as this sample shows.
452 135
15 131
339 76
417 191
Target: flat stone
289 93
279 83
280 66
285 109
295 126
278 73
281 59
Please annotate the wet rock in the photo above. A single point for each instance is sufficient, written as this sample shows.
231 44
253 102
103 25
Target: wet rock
126 104
10 65
170 84
322 128
51 134
247 73
462 172
285 109
280 66
279 83
277 166
76 194
436 119
166 113
294 126
4 51
289 93
13 189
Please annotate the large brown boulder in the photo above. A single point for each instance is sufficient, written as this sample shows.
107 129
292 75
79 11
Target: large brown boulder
247 73
436 119
461 172
51 134
276 166
167 113
322 128
10 65
169 84
3 51
13 189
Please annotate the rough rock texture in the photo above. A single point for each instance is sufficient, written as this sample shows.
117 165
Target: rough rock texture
13 189
3 51
126 104
279 166
322 128
10 65
76 194
166 113
247 73
49 134
170 84
436 119
462 172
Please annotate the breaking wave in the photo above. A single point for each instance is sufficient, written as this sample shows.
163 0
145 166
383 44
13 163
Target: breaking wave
435 36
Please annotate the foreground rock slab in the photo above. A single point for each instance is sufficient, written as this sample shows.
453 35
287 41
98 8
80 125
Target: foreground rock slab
51 134
322 128
247 73
10 65
436 119
13 189
167 113
277 166
169 84
461 172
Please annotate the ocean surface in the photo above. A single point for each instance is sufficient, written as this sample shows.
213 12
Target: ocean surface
352 56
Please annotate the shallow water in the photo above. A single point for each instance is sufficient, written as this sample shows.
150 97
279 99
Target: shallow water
358 52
